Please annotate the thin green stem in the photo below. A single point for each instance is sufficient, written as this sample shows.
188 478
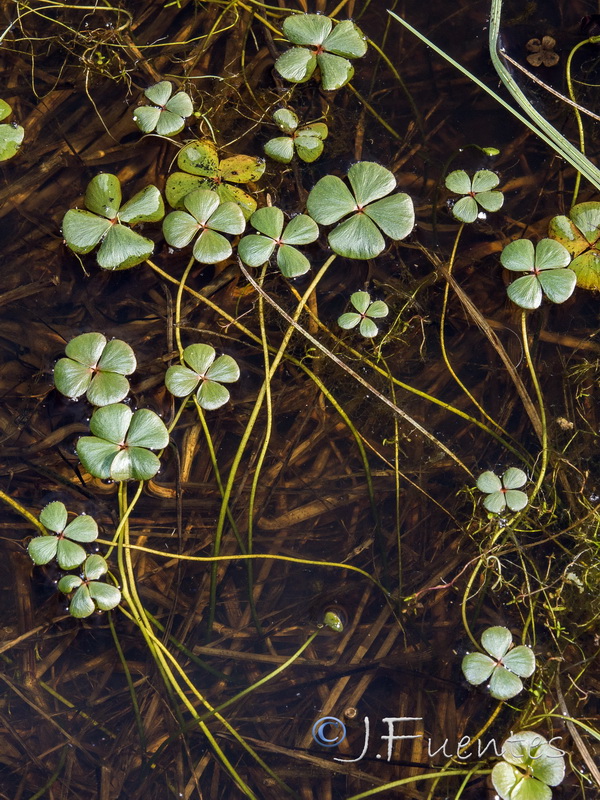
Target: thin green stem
541 406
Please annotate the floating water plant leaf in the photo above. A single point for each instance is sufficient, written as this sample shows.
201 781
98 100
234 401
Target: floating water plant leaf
256 249
505 492
11 136
580 234
530 767
205 215
122 441
546 264
330 49
477 191
205 373
503 667
90 592
103 223
307 141
62 542
366 312
359 236
333 620
96 368
168 114
202 169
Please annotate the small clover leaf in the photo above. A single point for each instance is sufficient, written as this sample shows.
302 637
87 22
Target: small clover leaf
505 492
307 141
256 249
330 49
546 265
105 223
202 169
90 592
168 114
580 234
122 441
11 136
530 766
503 666
373 208
205 215
542 52
366 311
477 191
96 368
204 369
62 542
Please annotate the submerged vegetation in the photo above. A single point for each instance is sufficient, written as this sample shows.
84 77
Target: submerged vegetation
243 505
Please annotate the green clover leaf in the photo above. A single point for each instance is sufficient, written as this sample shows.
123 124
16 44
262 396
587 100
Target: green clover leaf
505 492
121 445
202 169
366 311
204 373
373 208
168 114
504 667
256 249
11 136
90 593
205 215
96 368
330 49
105 223
62 541
477 191
546 264
307 141
579 233
530 767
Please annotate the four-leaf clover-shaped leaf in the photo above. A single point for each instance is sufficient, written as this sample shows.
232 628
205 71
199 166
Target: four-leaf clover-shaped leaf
106 221
202 169
504 667
306 141
168 114
62 542
366 311
530 767
11 136
96 368
90 592
203 369
206 215
505 492
477 191
547 274
324 46
122 441
580 234
372 211
255 249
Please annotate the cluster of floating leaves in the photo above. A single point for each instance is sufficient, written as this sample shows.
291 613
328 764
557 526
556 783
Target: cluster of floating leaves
305 141
478 193
547 274
107 223
503 667
530 766
367 208
366 312
204 374
96 368
579 233
320 45
168 114
63 543
257 248
505 492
